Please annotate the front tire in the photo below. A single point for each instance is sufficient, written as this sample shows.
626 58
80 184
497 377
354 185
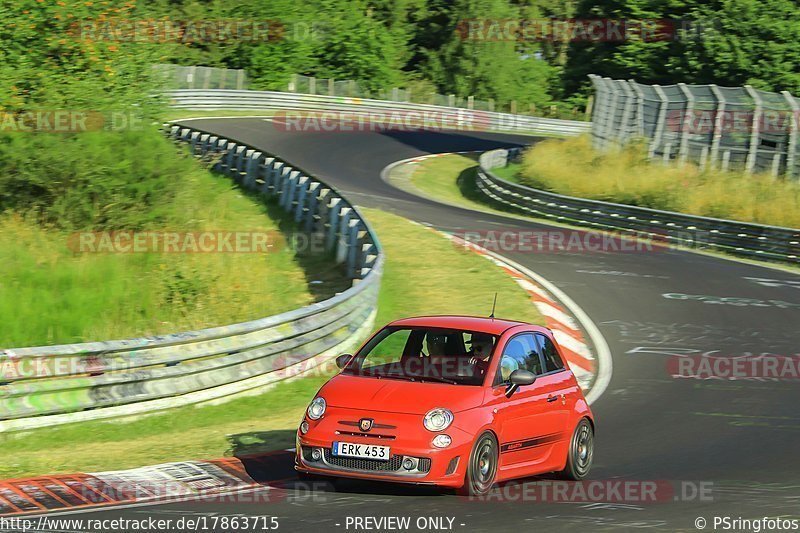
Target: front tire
581 452
482 467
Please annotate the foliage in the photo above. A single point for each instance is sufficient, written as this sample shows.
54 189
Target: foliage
727 42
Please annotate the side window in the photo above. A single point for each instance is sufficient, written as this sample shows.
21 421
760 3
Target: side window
520 352
387 350
552 361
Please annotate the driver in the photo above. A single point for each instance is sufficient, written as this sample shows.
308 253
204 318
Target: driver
480 350
436 344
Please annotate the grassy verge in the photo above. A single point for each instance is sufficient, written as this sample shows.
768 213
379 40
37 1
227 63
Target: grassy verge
49 294
625 175
451 179
424 274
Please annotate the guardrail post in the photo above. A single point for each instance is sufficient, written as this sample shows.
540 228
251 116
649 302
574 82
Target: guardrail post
352 247
230 148
279 170
752 149
627 109
219 148
335 207
204 143
302 194
264 174
238 162
288 184
253 168
598 113
661 123
612 109
322 215
313 205
194 138
346 214
719 113
639 107
726 160
776 165
791 149
686 129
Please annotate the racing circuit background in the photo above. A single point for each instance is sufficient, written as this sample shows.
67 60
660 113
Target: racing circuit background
688 356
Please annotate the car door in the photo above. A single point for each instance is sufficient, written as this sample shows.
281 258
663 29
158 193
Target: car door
526 422
560 387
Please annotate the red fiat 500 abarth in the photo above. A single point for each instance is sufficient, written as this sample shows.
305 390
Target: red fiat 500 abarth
454 401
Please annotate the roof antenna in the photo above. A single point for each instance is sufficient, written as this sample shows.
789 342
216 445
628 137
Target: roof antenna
494 303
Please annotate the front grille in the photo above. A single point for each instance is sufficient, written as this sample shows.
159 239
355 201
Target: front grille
368 435
393 464
375 425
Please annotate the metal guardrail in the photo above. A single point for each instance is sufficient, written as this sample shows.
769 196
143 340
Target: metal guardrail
49 385
466 119
739 238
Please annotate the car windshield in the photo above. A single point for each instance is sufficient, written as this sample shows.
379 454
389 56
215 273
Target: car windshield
453 356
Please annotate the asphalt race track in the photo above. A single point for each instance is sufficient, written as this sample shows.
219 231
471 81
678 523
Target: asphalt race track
735 440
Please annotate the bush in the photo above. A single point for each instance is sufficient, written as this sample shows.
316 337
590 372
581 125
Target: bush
102 180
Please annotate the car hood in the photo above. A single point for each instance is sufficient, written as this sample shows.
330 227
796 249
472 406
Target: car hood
397 396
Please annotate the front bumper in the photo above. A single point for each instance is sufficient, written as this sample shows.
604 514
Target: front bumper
410 447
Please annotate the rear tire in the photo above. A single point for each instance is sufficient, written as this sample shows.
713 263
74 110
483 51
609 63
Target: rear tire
581 452
482 466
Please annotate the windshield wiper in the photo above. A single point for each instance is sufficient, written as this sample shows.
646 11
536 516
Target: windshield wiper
440 380
389 375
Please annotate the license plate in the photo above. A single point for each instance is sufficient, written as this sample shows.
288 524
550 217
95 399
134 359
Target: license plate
362 451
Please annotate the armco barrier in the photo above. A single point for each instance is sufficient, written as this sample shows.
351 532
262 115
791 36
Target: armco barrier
218 99
738 238
49 385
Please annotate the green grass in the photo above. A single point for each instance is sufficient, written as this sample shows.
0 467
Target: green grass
51 295
424 274
626 176
451 179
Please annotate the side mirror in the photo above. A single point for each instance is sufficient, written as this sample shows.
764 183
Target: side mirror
343 359
517 379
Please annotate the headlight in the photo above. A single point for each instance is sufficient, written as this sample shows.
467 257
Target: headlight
438 419
316 409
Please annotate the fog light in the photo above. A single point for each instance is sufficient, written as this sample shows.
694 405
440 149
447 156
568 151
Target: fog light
304 427
316 454
442 441
409 463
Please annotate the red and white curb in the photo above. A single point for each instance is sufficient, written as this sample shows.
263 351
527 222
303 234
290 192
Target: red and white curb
565 327
217 480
